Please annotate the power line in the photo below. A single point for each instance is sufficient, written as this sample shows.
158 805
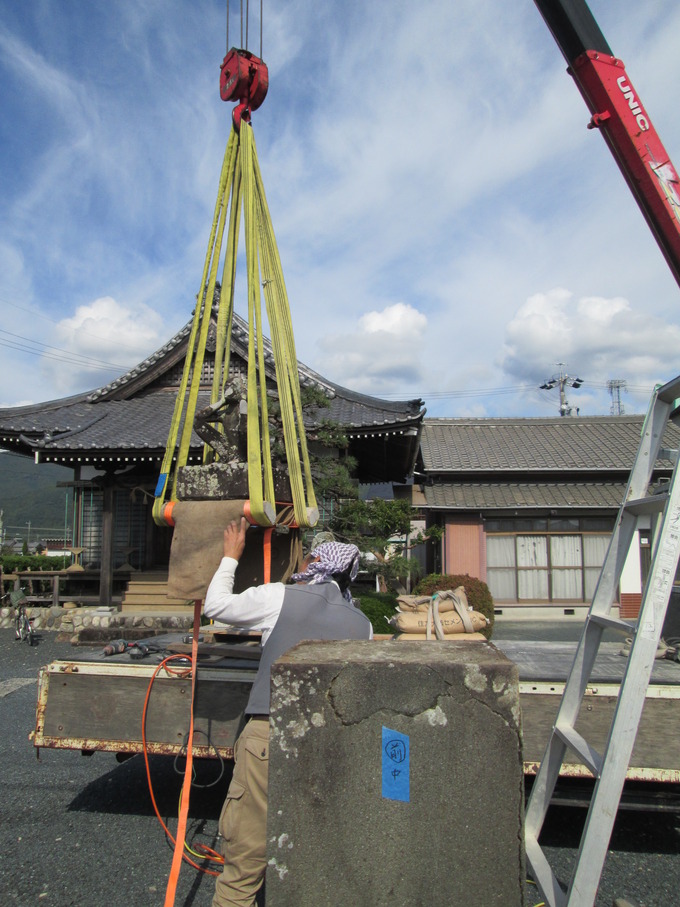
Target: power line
478 392
37 314
44 355
502 391
42 348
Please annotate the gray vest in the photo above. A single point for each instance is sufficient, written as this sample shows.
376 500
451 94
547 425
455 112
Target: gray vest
309 612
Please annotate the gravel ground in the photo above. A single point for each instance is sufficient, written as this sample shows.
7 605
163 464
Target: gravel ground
81 831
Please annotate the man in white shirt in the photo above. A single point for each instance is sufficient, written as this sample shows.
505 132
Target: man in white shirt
318 606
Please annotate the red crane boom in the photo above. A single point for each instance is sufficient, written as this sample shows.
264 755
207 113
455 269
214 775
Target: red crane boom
619 114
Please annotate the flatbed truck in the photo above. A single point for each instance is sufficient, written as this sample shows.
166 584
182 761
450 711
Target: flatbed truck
115 704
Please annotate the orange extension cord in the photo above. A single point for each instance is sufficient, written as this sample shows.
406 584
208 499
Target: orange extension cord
179 841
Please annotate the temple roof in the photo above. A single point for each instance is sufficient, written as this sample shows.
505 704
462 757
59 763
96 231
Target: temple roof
128 419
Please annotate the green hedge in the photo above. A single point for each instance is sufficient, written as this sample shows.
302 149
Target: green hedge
378 607
10 563
477 592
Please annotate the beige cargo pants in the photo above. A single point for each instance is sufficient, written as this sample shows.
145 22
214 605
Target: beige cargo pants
243 821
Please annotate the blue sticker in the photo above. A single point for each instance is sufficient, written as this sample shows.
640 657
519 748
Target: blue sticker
160 486
396 764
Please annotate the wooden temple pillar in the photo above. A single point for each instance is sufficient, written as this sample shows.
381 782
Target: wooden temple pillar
106 569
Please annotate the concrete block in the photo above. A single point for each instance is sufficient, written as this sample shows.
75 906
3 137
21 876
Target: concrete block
395 776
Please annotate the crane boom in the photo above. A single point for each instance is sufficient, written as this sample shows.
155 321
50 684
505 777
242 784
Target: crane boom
619 114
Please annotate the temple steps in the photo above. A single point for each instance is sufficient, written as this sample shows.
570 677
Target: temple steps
148 592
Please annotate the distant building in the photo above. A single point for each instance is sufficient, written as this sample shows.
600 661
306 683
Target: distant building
528 505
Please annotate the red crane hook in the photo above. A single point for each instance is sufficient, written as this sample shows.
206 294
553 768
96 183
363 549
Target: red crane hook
243 78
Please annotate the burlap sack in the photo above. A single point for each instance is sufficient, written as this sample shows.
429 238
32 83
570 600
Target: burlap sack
198 545
445 599
451 622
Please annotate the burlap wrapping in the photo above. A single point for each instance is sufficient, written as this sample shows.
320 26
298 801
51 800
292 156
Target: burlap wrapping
421 603
416 622
198 545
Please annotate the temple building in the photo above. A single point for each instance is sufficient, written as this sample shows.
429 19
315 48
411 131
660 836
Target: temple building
114 439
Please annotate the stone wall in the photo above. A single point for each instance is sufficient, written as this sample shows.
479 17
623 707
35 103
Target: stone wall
74 620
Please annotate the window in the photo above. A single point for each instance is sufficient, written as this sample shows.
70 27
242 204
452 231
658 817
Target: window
532 567
501 567
567 560
540 566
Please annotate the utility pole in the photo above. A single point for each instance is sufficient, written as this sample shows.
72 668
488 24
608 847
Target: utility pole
563 380
615 386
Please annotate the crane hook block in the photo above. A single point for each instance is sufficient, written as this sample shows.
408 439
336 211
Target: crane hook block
243 78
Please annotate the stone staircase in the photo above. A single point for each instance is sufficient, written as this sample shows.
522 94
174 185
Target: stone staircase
147 593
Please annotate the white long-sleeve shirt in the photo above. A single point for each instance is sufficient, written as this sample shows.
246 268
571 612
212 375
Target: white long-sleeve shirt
256 608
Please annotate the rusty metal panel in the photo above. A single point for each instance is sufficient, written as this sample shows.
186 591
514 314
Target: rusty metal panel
98 706
94 706
656 755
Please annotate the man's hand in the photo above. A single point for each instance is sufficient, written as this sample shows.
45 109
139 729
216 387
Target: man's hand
235 538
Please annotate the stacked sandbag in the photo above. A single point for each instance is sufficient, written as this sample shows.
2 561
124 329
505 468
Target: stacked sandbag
440 616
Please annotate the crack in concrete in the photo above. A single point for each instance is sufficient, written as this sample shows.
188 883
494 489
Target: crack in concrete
427 701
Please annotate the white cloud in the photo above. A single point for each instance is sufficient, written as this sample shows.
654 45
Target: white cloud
398 319
597 339
101 340
107 328
382 353
428 171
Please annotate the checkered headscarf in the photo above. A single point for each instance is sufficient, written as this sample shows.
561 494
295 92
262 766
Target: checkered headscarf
334 557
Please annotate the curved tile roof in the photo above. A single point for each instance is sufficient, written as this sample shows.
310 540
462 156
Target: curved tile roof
584 443
513 495
133 412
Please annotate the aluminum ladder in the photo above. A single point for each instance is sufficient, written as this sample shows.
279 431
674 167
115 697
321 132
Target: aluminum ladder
609 767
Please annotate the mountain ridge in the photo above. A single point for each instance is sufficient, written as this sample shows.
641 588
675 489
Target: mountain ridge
30 501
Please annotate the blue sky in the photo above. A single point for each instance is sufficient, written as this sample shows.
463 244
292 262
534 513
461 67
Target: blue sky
448 227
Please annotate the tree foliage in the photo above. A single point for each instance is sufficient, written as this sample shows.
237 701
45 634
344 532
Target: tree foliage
382 527
29 493
332 468
378 608
13 562
371 524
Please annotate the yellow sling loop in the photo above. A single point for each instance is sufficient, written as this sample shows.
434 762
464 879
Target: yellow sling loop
241 185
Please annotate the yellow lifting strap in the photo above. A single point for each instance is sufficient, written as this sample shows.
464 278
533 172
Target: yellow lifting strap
241 187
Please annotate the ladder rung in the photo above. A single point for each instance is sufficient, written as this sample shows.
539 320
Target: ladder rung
589 756
543 875
652 504
615 623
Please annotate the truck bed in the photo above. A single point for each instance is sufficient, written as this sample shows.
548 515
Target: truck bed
92 702
543 670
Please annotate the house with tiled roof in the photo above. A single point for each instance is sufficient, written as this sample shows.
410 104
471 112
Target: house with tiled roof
528 505
114 438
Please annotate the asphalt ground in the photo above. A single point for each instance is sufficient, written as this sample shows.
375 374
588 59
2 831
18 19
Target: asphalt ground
567 629
81 830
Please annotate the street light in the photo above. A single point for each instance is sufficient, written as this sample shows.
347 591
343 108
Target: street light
563 380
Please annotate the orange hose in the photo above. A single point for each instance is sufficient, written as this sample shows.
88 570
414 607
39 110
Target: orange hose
209 853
